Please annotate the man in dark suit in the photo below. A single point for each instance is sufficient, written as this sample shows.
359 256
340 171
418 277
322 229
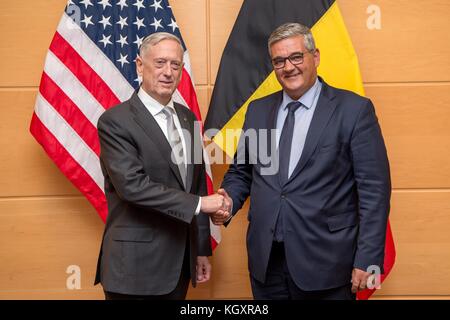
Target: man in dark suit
317 223
157 234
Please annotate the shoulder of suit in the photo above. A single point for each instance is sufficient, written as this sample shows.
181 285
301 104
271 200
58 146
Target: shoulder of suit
346 100
186 111
267 101
119 111
344 94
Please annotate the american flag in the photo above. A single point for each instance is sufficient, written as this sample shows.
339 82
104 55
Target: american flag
90 67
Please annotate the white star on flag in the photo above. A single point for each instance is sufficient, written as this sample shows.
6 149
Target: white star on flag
157 24
122 22
173 24
87 21
105 21
86 3
122 3
104 3
123 60
138 41
157 5
139 4
139 23
105 40
122 41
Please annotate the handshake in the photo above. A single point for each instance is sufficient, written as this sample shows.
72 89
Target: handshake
218 206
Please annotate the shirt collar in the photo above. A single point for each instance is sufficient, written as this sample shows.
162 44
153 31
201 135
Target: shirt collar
307 99
152 105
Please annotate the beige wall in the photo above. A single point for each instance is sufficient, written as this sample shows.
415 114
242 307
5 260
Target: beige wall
45 225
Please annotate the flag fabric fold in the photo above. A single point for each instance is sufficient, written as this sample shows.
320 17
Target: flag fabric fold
245 71
90 67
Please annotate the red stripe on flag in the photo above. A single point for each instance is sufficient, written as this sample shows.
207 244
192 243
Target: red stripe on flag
87 76
70 112
187 91
214 243
69 167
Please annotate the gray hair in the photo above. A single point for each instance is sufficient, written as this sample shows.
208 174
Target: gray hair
289 30
156 38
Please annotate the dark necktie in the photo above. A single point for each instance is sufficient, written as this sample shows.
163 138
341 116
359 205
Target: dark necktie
284 156
285 144
175 142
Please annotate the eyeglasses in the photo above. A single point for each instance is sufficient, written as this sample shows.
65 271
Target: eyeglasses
295 58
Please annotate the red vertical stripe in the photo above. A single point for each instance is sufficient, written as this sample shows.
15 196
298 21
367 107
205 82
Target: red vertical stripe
187 91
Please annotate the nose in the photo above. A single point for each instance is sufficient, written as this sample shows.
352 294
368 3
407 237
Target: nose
167 69
288 65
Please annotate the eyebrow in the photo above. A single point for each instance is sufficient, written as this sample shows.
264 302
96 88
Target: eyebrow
281 57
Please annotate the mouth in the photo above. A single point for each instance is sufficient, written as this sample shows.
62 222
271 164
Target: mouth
290 76
166 83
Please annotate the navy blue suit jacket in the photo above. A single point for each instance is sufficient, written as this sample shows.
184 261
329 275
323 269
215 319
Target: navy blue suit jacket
335 204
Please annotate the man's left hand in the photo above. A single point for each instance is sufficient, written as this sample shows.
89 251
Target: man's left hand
359 280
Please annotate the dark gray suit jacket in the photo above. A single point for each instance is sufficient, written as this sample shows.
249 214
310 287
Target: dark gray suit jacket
151 220
335 205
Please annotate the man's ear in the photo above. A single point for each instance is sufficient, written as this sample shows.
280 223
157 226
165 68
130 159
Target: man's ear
139 66
317 58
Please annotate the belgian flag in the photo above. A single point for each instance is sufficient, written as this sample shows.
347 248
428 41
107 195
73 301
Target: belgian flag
246 72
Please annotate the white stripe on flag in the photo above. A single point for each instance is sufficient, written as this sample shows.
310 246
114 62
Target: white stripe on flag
187 65
98 61
69 139
178 98
215 231
73 88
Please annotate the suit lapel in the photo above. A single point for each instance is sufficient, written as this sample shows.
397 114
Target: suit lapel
324 110
153 131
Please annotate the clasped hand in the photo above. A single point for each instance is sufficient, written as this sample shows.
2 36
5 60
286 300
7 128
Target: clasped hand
218 206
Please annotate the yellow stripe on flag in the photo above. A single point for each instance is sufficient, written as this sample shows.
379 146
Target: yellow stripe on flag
228 137
338 67
338 61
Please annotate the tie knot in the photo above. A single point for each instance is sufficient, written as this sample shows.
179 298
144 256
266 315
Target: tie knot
168 112
293 106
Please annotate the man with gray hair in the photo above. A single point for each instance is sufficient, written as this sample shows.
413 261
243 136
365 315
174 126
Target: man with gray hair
317 226
157 234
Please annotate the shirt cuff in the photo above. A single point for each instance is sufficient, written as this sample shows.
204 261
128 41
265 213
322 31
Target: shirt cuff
197 211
